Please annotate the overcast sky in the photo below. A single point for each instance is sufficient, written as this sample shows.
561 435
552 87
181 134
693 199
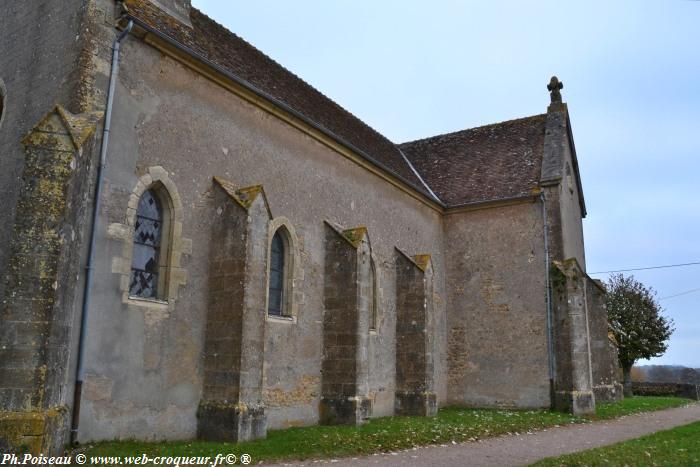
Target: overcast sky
631 73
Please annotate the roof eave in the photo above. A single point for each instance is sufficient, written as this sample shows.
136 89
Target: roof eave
574 158
492 203
283 106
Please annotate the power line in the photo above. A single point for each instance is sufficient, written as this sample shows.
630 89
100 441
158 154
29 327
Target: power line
681 293
650 267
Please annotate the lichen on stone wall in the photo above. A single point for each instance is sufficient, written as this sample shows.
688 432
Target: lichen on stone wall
31 431
40 277
355 235
244 197
422 261
95 35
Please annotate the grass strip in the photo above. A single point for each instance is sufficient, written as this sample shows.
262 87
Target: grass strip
451 425
677 447
637 404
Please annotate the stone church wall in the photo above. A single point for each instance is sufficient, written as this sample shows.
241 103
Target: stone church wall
38 71
571 225
560 188
144 360
152 366
52 78
497 340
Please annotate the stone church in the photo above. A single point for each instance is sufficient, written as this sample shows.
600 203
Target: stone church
197 243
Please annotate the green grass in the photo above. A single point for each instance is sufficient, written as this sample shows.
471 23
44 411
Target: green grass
637 404
678 447
380 434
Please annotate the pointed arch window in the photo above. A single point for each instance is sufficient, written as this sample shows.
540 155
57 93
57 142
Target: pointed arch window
373 318
275 303
280 280
283 271
145 281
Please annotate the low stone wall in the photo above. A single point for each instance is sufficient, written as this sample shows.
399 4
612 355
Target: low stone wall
690 391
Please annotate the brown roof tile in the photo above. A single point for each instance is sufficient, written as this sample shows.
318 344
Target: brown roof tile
482 164
218 45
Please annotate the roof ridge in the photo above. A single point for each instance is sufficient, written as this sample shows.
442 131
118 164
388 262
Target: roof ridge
451 133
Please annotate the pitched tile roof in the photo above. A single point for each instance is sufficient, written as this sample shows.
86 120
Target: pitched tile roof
218 45
488 163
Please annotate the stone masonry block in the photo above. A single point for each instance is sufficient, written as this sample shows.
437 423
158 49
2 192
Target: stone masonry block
230 422
344 410
34 431
422 404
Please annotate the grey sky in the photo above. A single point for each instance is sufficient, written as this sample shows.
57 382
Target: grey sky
631 73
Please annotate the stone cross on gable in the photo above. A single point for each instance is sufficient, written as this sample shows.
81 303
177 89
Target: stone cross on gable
554 87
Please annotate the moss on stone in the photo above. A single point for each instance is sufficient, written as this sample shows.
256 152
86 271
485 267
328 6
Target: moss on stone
244 197
422 261
557 278
31 431
355 235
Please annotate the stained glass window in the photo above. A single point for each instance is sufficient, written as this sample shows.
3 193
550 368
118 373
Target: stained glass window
147 238
276 288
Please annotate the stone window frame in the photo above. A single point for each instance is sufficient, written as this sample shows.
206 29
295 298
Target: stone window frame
292 271
3 101
173 245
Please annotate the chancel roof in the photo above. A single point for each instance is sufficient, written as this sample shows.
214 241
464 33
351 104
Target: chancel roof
488 163
481 164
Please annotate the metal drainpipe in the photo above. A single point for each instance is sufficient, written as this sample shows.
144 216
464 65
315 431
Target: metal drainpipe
80 374
550 336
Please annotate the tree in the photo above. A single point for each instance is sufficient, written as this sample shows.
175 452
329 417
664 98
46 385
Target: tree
636 320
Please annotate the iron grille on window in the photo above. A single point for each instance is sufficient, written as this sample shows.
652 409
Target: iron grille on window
147 236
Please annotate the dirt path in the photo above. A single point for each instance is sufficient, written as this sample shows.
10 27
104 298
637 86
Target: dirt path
525 449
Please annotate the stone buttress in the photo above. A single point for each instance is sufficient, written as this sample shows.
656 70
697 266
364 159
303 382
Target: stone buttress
232 406
346 320
415 392
560 185
604 361
37 313
573 385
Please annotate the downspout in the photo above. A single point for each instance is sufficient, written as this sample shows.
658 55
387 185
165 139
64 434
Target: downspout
550 334
89 268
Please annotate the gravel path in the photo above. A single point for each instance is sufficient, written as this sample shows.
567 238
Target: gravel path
525 449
